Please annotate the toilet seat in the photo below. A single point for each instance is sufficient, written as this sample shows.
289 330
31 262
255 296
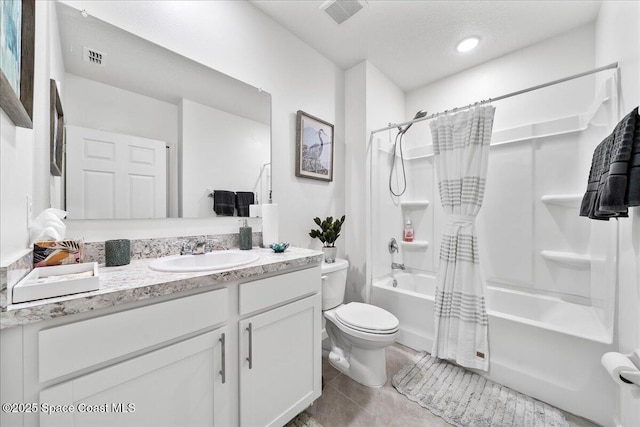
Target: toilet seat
367 318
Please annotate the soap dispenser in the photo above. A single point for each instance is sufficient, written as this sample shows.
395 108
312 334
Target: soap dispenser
408 231
246 239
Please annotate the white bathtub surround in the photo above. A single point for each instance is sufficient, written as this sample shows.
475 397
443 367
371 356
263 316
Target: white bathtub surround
465 398
540 345
461 155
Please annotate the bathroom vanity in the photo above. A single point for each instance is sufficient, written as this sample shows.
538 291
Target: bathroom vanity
234 347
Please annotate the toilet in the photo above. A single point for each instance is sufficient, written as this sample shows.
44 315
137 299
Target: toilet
359 333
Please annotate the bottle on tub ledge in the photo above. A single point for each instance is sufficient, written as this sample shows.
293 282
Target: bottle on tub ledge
407 236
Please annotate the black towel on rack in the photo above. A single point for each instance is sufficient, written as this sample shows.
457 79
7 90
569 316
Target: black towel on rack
224 202
599 166
243 200
614 187
610 186
633 189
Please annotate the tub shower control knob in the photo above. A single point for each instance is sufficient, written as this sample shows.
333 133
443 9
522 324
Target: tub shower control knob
393 245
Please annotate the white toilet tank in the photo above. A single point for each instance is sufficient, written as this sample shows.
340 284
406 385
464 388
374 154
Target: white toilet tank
334 282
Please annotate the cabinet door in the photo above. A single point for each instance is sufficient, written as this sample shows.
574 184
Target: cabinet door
181 384
280 362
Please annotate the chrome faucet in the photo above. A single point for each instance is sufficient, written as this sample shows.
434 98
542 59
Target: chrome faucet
201 248
396 266
185 247
198 248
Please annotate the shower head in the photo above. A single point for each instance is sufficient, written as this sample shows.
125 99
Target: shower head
420 114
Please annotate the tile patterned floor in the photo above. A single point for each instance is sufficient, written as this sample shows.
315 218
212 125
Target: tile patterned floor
345 403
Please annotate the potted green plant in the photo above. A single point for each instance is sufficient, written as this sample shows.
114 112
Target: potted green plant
328 234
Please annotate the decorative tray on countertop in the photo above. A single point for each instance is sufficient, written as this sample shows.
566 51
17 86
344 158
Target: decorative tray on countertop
48 282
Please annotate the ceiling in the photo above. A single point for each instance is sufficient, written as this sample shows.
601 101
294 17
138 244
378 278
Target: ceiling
413 41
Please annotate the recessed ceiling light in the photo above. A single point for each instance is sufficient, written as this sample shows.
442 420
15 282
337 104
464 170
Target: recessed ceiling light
468 44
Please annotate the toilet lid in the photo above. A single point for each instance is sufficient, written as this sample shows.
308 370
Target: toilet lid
367 318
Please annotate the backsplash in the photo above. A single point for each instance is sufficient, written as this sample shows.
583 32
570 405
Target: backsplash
159 247
140 249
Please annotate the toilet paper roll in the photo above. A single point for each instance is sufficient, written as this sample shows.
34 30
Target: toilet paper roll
269 224
615 363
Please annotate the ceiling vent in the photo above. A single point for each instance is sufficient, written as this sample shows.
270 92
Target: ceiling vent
341 10
93 56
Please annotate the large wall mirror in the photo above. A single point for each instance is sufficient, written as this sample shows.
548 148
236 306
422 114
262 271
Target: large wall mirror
150 133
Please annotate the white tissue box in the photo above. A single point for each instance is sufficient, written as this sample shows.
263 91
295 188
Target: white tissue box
49 282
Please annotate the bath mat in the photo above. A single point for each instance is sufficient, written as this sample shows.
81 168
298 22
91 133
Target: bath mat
303 420
466 399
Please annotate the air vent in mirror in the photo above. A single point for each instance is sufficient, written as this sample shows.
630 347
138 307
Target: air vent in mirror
93 56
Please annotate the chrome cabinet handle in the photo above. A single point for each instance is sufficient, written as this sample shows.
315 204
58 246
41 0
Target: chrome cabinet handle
223 371
250 358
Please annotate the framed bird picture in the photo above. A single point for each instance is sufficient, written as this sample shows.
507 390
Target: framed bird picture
314 147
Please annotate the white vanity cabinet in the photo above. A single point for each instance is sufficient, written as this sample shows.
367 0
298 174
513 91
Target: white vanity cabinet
280 353
178 385
163 374
245 354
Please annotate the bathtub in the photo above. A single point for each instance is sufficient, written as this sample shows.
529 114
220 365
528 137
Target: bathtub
539 345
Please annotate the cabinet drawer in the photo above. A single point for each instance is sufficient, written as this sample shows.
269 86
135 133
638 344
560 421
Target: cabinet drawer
177 385
276 290
69 348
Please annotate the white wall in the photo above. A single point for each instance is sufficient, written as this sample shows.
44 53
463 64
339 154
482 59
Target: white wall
24 154
618 39
558 57
95 105
209 137
369 97
237 39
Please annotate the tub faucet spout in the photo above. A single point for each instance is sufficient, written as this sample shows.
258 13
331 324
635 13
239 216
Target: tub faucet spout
396 266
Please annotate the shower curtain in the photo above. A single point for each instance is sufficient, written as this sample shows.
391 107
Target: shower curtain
461 153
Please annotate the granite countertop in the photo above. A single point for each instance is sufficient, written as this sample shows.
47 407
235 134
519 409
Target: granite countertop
136 282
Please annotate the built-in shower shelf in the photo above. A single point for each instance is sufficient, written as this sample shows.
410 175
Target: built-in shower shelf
415 245
566 200
569 258
415 204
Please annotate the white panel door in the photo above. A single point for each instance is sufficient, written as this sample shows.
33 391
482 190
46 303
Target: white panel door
280 363
179 385
112 175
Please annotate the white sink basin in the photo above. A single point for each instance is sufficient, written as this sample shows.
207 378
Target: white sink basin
211 261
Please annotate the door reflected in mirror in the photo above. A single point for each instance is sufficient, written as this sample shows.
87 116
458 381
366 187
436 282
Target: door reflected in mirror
150 133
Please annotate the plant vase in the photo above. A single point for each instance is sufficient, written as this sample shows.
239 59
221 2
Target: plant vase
330 254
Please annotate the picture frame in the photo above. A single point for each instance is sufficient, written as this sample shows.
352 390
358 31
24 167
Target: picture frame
18 44
314 147
56 145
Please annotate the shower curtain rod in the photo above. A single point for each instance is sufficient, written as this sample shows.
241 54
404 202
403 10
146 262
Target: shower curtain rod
508 95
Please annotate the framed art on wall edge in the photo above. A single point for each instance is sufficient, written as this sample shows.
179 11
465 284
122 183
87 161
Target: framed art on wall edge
314 147
16 60
56 146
